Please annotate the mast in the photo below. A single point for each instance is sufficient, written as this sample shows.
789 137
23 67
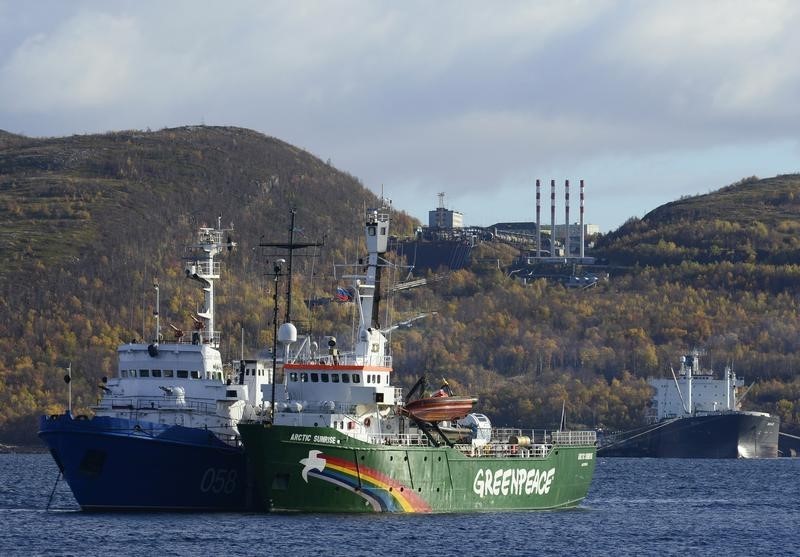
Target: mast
290 247
377 229
203 269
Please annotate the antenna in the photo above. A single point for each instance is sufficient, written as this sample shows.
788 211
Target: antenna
158 321
290 246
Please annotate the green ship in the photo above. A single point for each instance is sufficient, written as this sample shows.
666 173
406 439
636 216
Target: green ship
344 439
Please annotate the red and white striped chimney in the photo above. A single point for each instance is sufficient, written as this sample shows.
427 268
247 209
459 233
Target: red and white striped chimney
538 218
566 218
552 218
583 239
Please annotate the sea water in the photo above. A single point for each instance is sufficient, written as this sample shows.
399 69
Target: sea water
634 507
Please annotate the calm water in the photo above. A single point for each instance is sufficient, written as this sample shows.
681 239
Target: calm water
635 507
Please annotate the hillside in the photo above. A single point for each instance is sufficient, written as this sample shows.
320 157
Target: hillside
753 221
89 222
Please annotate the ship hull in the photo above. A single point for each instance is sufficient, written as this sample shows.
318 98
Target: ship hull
322 470
724 435
119 464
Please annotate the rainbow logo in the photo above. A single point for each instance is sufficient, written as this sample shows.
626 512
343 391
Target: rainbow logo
379 490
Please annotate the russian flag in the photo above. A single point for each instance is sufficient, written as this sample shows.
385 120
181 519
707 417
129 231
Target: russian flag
343 295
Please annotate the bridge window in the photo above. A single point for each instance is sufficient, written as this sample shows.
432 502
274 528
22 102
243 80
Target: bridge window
293 377
144 373
345 378
356 378
195 374
315 377
304 377
183 374
156 373
123 373
325 378
335 377
167 373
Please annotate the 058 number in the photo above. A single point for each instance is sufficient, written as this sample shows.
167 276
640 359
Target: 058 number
218 480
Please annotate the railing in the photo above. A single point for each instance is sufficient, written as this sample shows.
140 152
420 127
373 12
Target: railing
319 407
145 403
400 439
202 268
539 436
574 437
349 359
499 447
505 450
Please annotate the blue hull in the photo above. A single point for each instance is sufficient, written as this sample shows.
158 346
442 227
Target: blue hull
119 464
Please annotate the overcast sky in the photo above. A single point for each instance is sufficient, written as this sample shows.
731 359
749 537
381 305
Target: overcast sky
646 101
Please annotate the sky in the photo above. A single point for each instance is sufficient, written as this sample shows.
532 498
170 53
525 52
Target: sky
646 101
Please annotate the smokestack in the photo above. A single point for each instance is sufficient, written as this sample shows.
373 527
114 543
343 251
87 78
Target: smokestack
538 219
583 240
552 218
566 218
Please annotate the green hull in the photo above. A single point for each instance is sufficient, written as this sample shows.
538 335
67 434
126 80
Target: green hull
322 470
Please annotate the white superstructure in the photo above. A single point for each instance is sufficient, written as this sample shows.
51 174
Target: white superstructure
181 381
694 391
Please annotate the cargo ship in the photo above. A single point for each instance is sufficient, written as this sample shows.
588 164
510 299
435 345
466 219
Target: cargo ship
164 433
696 415
342 438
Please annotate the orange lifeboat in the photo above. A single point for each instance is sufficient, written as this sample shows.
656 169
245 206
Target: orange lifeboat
439 408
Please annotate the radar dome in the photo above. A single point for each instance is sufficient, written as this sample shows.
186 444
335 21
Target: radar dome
287 333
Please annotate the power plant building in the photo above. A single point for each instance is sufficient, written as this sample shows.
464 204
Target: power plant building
445 218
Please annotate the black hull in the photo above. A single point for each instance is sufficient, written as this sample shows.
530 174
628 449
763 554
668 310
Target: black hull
724 435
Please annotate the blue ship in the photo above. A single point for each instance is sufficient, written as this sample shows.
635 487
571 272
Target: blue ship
164 434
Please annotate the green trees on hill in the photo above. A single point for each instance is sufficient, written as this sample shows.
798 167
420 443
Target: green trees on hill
89 222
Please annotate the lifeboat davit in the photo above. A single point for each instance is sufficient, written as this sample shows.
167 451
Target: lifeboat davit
439 408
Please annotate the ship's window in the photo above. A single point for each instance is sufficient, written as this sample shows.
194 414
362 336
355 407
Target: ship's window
335 377
304 378
356 378
368 378
230 393
293 377
182 374
195 374
144 373
315 377
219 376
156 373
167 373
325 378
377 378
123 373
345 378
